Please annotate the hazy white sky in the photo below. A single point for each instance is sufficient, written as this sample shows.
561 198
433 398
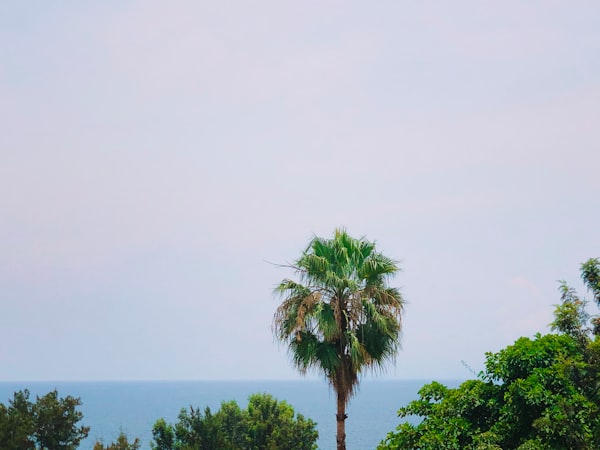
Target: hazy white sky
154 156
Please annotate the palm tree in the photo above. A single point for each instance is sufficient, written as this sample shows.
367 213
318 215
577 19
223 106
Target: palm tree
340 318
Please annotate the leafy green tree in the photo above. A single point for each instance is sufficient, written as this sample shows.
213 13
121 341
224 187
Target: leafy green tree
570 316
533 394
199 430
56 422
234 424
266 424
341 317
122 443
163 435
17 423
271 424
48 424
590 273
540 393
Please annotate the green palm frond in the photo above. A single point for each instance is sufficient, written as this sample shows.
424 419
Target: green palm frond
326 322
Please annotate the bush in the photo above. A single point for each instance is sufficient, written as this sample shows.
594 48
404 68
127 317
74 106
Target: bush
266 424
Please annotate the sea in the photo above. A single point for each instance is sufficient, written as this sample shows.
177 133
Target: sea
133 407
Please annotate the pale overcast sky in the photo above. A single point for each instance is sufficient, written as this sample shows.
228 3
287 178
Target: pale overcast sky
155 155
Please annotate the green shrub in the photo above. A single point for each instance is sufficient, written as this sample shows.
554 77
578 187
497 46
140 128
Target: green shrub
266 424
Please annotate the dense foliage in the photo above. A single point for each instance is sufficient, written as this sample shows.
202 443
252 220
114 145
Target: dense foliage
540 393
266 424
341 317
48 424
51 423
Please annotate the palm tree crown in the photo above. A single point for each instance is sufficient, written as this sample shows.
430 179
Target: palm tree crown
340 317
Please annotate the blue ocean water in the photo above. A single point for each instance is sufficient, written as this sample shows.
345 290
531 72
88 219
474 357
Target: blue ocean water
133 407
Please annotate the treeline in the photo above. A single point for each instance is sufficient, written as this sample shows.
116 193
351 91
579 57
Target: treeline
52 423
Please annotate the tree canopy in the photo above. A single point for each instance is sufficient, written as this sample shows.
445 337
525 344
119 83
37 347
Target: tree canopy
49 423
266 424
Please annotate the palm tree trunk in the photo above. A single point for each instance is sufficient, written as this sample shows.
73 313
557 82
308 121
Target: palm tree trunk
341 422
